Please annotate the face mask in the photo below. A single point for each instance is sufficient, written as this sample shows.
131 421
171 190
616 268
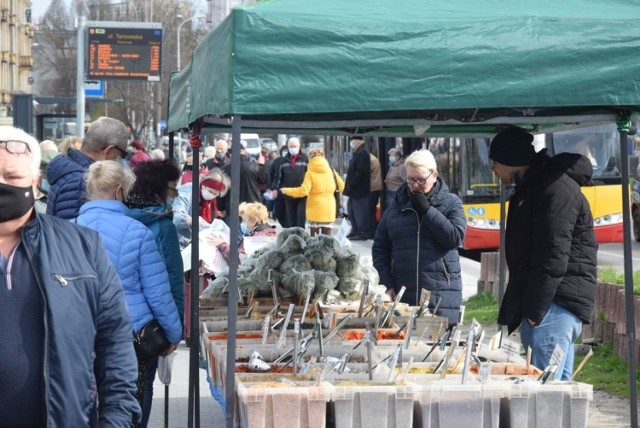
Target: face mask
293 151
207 195
14 201
244 229
392 160
284 154
44 186
352 145
219 155
169 203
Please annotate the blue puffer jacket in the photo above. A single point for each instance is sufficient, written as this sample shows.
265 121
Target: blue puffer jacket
408 250
88 344
66 177
159 222
133 251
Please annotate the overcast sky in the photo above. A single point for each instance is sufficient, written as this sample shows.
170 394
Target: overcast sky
39 7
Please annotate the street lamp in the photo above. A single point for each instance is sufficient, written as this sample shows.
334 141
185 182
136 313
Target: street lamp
180 28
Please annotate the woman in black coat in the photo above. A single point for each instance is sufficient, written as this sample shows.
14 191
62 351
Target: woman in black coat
416 244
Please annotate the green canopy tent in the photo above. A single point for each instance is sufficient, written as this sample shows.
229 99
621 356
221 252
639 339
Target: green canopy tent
414 68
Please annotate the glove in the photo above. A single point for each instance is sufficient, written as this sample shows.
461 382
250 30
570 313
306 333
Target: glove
420 202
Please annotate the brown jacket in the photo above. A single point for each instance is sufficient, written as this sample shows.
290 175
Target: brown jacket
376 176
396 176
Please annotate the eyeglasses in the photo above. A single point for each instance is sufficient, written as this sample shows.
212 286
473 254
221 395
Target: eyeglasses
15 147
419 181
123 153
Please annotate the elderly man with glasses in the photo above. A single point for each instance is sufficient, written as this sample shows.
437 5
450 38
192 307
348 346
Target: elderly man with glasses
66 351
416 243
106 139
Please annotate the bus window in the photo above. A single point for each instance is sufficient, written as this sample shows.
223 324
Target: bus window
600 144
478 182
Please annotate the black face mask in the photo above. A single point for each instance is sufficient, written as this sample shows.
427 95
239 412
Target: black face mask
15 201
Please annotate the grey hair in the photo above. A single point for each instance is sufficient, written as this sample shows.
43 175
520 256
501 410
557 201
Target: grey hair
10 133
104 177
105 132
422 160
157 154
293 140
217 175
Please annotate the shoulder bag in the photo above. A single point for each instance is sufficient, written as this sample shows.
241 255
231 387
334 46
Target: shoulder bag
150 341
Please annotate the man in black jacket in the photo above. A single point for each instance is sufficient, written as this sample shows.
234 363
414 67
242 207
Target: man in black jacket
357 188
290 173
550 247
279 210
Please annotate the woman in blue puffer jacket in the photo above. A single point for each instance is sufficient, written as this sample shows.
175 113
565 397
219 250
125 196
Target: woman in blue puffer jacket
133 251
416 243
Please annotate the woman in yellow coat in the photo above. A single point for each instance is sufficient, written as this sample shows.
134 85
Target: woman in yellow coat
319 186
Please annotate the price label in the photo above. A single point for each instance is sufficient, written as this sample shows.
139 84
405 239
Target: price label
425 295
511 348
557 356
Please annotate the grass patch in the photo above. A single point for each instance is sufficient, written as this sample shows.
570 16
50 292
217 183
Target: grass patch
483 307
612 276
605 371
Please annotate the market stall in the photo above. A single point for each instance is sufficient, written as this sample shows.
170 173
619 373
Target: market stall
410 68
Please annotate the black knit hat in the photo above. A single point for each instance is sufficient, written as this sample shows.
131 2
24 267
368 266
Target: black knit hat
513 147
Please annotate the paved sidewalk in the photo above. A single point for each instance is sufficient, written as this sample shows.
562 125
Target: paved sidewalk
211 414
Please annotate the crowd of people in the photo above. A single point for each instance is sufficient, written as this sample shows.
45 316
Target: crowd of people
91 234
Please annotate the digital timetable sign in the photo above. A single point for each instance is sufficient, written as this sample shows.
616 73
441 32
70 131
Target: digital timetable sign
124 53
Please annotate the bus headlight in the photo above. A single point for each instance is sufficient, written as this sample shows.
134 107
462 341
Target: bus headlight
482 223
608 219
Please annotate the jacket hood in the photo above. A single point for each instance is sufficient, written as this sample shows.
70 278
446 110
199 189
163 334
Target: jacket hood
436 198
319 164
102 205
149 215
574 165
74 161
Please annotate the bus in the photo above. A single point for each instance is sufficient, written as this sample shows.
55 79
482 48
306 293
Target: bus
464 164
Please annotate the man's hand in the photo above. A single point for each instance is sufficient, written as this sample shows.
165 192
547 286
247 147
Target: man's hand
419 202
170 349
274 194
391 293
531 322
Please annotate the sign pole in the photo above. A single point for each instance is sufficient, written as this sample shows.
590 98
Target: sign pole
80 79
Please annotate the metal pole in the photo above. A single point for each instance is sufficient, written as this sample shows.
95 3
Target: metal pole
193 419
80 79
502 261
236 128
628 280
179 28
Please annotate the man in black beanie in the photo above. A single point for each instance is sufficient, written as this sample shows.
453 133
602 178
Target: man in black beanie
550 247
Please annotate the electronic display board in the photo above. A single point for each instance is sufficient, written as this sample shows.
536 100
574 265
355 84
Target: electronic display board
124 53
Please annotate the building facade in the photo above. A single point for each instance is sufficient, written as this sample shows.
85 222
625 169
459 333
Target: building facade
16 60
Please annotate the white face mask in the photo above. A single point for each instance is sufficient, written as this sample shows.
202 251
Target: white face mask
207 195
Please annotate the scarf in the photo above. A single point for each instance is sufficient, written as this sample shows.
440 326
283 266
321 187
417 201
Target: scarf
137 201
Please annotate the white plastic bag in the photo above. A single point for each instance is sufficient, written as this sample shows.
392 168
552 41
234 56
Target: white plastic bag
164 368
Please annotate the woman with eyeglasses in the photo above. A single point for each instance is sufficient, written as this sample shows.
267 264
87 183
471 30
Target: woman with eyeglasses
416 243
150 202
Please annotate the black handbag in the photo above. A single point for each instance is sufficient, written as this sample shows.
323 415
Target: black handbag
337 196
150 341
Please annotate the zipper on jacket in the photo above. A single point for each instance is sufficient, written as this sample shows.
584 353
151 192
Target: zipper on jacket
446 272
9 266
418 260
45 325
64 281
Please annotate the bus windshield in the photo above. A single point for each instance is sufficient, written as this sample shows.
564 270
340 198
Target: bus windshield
600 144
478 183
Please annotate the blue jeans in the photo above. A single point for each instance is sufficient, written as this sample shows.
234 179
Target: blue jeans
152 366
559 326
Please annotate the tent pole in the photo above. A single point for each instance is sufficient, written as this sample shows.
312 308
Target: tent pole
628 279
236 128
171 145
502 261
193 419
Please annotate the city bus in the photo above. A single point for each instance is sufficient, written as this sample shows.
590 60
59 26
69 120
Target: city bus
465 165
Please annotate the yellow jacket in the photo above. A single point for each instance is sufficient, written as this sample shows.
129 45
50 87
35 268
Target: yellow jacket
319 187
